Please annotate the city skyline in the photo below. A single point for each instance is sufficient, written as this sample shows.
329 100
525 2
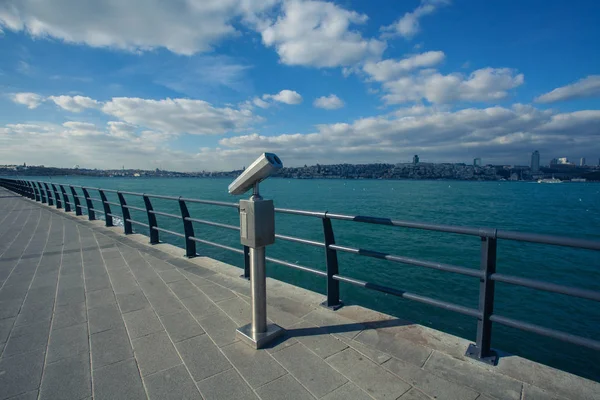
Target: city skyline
201 86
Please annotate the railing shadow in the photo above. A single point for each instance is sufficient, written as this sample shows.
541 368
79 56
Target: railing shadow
342 328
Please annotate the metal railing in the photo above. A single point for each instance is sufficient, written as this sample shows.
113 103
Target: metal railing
487 275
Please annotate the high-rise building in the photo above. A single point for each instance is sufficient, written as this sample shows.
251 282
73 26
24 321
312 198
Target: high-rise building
415 159
535 162
563 160
477 162
582 162
554 161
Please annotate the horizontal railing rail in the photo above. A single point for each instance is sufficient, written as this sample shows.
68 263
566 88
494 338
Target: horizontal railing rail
47 192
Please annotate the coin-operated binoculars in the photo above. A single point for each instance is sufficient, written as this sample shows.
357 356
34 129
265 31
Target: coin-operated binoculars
257 230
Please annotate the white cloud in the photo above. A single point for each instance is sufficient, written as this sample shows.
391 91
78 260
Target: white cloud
486 84
285 96
260 103
409 25
121 129
175 116
317 33
78 128
331 102
389 69
583 88
183 27
31 100
74 104
498 134
88 145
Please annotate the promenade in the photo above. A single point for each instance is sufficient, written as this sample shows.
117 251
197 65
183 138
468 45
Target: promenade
87 312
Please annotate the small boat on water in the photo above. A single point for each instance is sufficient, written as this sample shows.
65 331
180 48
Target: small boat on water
549 180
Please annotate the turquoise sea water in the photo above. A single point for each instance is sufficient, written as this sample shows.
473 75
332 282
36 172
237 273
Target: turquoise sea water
569 209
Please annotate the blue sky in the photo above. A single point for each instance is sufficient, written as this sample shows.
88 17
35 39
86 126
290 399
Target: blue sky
208 85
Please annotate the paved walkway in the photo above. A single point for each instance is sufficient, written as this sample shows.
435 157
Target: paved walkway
86 312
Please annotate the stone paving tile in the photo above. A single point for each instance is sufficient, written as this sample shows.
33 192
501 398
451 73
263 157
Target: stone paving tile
172 384
370 377
69 281
141 323
374 355
310 370
256 366
165 304
414 394
215 292
33 395
347 392
104 318
6 326
473 376
285 387
237 309
20 373
67 379
67 342
118 381
34 313
335 323
110 346
226 385
132 301
184 288
70 296
10 308
155 352
282 318
99 298
428 383
393 344
181 326
220 328
200 306
534 393
26 338
316 339
69 315
202 357
171 275
289 306
97 283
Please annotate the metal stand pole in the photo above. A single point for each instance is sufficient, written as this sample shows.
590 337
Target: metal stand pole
259 290
257 333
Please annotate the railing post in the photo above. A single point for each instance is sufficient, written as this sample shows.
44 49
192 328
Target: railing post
482 349
333 286
65 197
76 201
42 194
126 215
49 194
151 220
107 212
34 192
89 204
56 196
188 230
246 274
